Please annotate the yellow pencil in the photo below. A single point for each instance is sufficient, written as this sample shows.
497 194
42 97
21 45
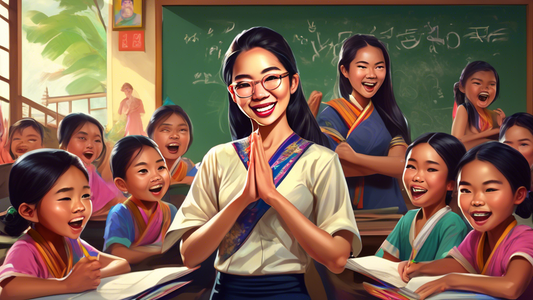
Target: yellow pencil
85 252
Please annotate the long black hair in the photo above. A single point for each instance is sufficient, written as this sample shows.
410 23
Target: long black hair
511 163
521 119
71 123
126 150
383 100
31 178
164 112
299 116
448 147
460 97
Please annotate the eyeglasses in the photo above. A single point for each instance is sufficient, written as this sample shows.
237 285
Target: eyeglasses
246 88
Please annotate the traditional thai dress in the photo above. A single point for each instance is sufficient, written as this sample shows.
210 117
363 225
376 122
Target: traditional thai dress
134 124
443 231
32 256
515 241
364 130
127 224
259 244
102 192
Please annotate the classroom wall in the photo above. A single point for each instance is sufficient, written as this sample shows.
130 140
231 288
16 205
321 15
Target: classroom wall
135 67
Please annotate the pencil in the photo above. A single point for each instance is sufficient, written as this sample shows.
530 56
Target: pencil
85 252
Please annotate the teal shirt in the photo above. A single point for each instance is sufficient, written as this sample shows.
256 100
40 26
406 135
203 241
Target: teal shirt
449 232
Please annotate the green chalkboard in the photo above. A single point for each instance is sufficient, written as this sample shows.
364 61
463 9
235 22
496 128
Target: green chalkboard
428 46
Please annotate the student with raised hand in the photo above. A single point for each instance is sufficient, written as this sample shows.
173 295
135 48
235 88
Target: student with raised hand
274 197
493 181
83 136
365 127
136 228
477 88
50 194
428 233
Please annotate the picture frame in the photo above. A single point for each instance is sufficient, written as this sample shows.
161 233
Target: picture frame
128 14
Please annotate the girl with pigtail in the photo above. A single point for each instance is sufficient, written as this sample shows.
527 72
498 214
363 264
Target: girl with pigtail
477 88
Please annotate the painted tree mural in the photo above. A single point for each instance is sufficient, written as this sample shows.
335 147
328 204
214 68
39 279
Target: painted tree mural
75 38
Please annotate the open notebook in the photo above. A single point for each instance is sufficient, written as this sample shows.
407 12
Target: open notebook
134 285
386 271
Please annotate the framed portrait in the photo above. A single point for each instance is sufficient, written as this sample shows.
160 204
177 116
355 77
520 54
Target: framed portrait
128 14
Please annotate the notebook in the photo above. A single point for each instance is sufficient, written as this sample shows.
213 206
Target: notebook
386 271
131 285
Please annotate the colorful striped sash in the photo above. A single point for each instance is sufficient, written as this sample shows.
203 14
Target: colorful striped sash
180 171
483 122
53 260
281 163
352 117
141 226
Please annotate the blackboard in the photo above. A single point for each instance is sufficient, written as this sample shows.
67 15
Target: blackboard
428 45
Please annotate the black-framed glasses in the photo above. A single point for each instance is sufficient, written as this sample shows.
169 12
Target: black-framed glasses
246 88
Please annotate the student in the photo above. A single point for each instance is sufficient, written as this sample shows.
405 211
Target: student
478 87
135 229
428 233
171 129
274 198
83 136
49 190
493 181
25 135
365 127
517 132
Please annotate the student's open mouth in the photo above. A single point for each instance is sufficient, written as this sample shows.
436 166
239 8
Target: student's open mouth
88 155
417 192
264 110
483 96
156 189
76 223
369 86
21 150
173 148
480 217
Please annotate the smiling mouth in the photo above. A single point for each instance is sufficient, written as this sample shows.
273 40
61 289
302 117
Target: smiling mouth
88 155
264 110
156 189
369 86
417 192
483 96
21 150
480 216
173 148
76 223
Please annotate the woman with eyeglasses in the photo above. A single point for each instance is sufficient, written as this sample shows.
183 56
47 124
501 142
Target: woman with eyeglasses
274 196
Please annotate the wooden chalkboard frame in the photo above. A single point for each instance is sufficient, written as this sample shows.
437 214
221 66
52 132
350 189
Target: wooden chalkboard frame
159 25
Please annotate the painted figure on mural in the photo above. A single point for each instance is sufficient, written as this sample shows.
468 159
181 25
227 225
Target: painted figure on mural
274 192
131 107
366 127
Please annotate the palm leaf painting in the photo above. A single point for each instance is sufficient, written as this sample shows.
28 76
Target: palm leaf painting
75 37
